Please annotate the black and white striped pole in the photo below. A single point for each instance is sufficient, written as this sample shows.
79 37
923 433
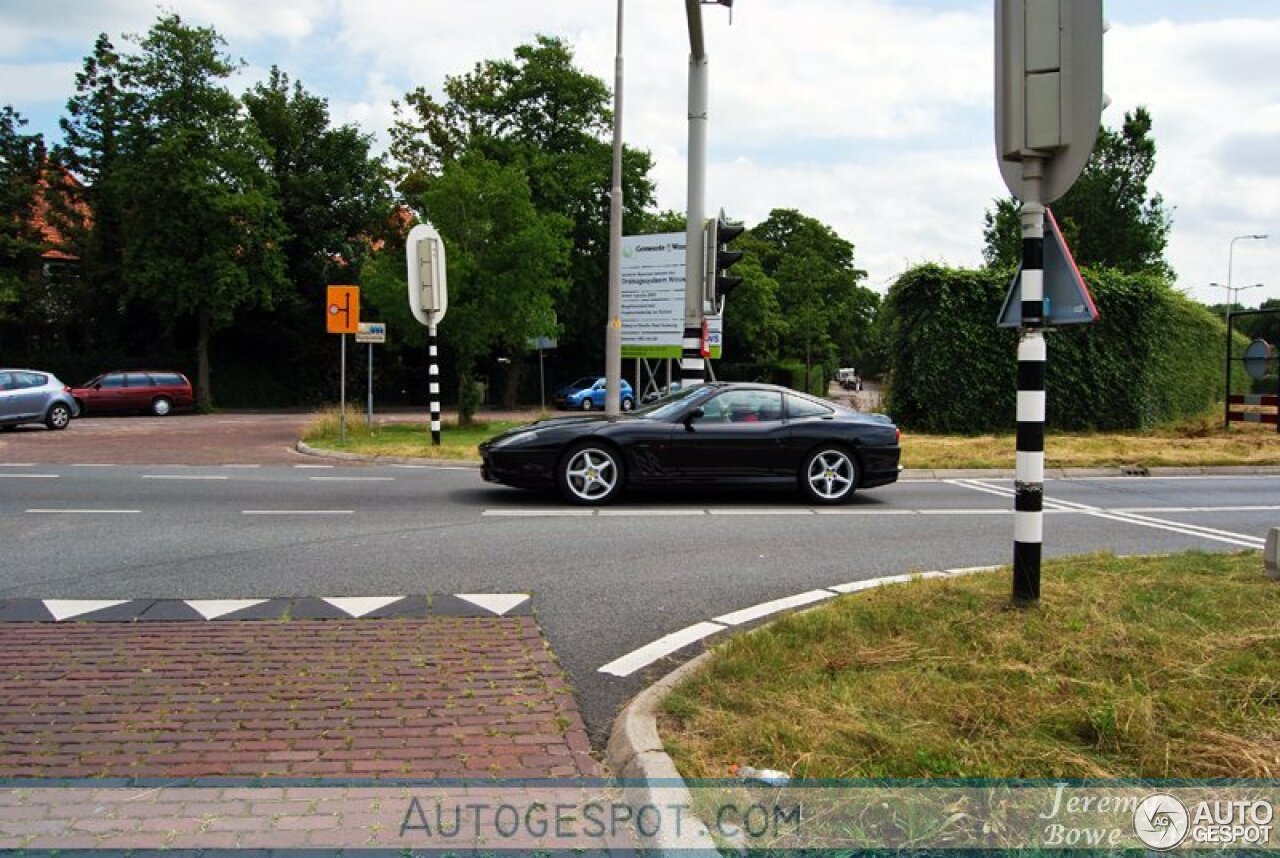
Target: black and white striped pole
1048 103
1033 353
433 373
428 301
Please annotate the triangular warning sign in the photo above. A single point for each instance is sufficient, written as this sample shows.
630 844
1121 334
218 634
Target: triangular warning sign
1067 299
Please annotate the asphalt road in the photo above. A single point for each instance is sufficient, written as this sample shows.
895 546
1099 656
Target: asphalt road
603 583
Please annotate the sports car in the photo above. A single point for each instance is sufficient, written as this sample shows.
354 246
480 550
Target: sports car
710 434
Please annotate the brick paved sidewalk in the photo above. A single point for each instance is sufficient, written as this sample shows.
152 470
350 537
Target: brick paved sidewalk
407 698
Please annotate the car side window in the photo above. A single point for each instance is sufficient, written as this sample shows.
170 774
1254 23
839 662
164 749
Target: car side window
6 380
26 380
744 406
798 407
165 378
112 380
137 379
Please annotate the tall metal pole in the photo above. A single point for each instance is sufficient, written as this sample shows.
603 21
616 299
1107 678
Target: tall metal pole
342 393
1226 386
692 366
1033 355
613 333
369 388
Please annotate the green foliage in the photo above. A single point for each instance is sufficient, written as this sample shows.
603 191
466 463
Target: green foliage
1108 218
1153 356
22 159
538 113
507 263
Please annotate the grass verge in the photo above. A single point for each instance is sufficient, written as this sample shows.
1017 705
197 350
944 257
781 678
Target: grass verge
411 440
1131 667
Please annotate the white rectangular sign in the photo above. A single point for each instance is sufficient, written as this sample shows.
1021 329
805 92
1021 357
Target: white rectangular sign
372 332
653 275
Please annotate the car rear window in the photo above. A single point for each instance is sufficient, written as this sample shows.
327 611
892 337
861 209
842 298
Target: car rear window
166 378
798 407
29 379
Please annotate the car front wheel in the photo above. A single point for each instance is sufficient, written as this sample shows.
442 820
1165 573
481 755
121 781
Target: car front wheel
58 416
161 406
591 474
829 475
587 403
628 404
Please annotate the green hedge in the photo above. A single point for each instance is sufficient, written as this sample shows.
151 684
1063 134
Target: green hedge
1153 356
786 373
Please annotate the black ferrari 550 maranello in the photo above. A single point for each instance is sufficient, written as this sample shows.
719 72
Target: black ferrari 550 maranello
706 435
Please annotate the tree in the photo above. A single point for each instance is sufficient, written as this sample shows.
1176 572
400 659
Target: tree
333 198
22 159
507 263
1109 217
203 234
539 113
828 313
91 149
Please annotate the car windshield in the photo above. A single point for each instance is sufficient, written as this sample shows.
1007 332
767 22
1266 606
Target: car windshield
669 406
584 383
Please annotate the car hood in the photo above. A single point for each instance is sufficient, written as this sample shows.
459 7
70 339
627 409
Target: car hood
585 424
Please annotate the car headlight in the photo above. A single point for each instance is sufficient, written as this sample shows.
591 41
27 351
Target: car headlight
516 438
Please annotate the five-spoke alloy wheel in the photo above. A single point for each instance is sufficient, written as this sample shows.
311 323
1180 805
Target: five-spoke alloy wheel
590 474
829 475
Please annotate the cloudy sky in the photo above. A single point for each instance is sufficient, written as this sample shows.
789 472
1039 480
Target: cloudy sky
875 116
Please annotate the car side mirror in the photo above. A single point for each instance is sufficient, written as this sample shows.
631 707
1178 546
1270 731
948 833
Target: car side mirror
695 414
98 386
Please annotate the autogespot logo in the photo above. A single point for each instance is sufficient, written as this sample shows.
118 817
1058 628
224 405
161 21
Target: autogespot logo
1161 821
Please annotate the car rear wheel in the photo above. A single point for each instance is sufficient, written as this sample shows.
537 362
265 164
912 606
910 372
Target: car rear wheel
58 416
161 406
628 404
591 474
587 403
829 475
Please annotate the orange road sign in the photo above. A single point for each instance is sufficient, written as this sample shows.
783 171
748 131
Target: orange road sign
342 310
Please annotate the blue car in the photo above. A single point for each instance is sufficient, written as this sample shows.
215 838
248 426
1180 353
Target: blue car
587 393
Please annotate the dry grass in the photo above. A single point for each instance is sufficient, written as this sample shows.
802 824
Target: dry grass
1151 667
1196 444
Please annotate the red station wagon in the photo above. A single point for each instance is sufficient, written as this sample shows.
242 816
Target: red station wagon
152 391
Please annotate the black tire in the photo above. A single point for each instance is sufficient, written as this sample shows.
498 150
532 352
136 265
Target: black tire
8 427
628 403
161 406
829 475
591 474
58 416
587 404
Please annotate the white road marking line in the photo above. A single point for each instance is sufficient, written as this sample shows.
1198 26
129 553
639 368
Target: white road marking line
968 511
866 512
1224 536
51 511
764 609
1152 509
17 464
29 476
768 511
297 512
185 477
358 606
240 466
353 479
651 513
664 646
494 603
537 513
94 465
661 648
314 467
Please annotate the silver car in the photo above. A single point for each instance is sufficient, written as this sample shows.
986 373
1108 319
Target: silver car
29 396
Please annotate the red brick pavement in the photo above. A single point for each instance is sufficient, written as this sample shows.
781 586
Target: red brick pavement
431 697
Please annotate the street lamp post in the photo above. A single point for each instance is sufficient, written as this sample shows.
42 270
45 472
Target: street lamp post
1226 387
613 334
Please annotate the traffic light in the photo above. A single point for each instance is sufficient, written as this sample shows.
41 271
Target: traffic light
719 258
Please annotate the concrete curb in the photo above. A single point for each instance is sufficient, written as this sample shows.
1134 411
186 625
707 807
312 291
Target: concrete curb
636 756
635 752
308 450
